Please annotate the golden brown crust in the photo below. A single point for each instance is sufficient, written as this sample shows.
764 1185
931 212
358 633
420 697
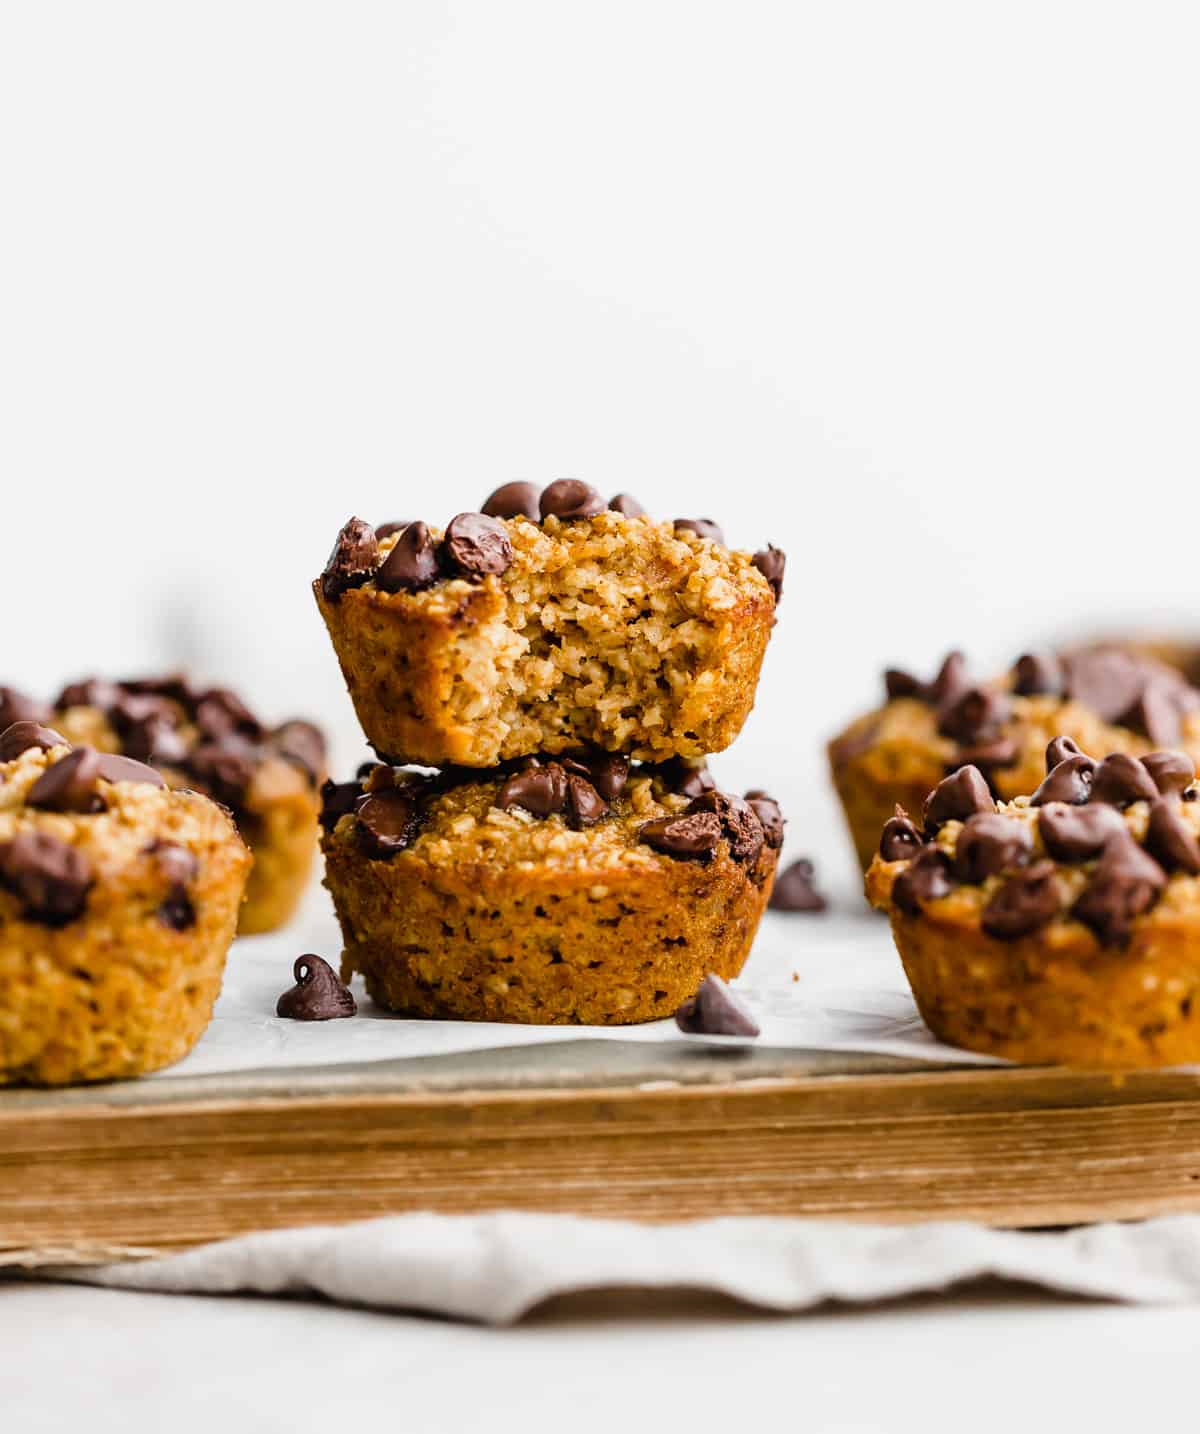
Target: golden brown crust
614 631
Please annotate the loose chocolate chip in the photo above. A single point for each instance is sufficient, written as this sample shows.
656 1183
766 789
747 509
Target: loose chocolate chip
900 840
957 797
739 823
225 769
1058 749
584 805
1036 673
702 527
627 506
337 801
1127 881
1077 833
386 822
1155 715
318 995
69 785
1170 772
795 889
514 500
17 707
540 790
926 878
220 712
771 563
1071 782
768 811
353 561
1023 903
1169 839
569 498
476 545
689 838
412 565
48 877
385 530
1121 779
22 735
302 744
91 692
987 844
974 714
1107 681
682 777
124 769
715 1011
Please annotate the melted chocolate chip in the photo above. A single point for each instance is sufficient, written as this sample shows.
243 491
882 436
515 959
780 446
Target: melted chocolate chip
353 561
973 714
1023 903
987 844
584 804
338 800
900 840
702 527
1170 841
926 878
1058 749
957 797
514 500
768 811
627 506
1121 779
1127 882
568 498
476 545
1036 673
771 563
318 995
608 773
20 736
1171 772
412 565
302 744
17 707
386 822
1071 782
540 790
69 785
385 530
693 837
715 1011
50 878
1077 833
739 823
682 777
795 889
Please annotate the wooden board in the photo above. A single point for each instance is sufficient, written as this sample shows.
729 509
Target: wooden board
592 1127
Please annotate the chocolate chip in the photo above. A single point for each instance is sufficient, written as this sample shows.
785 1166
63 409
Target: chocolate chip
337 801
989 755
1155 715
1127 881
715 1011
1023 903
1036 673
987 844
693 837
584 805
17 707
302 744
69 785
177 864
1121 779
91 692
950 682
174 685
768 811
569 498
609 774
318 995
220 712
898 683
974 714
771 563
225 769
1058 749
900 840
1077 833
154 740
627 506
385 530
1070 781
386 822
926 878
681 777
353 561
957 797
514 500
22 735
1170 772
476 545
124 769
1169 839
540 790
1106 681
795 889
50 878
739 823
412 565
702 527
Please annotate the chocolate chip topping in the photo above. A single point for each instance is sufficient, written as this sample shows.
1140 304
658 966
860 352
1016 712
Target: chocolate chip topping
225 770
1023 903
337 801
1070 781
768 811
1155 715
220 712
22 735
795 889
114 768
50 878
739 823
702 527
569 498
584 806
1121 779
386 822
693 837
302 744
514 500
1171 772
1036 673
385 530
974 714
1127 881
17 707
318 995
926 878
541 790
1107 681
608 773
950 682
987 844
1169 839
353 561
1077 833
627 506
91 692
681 777
69 785
715 1011
1058 749
476 545
771 563
412 565
957 797
900 840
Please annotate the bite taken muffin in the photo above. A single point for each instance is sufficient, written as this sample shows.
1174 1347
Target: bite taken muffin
1106 700
570 891
118 902
1063 927
547 621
